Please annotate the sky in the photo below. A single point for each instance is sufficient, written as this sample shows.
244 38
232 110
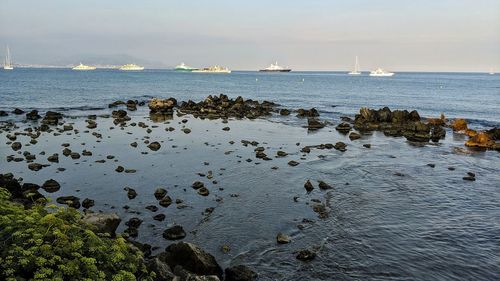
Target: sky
398 35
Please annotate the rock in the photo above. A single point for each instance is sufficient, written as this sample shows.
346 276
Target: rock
154 146
51 186
281 153
103 223
160 193
340 146
284 112
152 208
323 185
343 127
162 105
51 118
283 238
18 111
293 163
161 270
87 203
75 155
166 201
354 136
33 115
131 193
367 145
197 185
53 158
240 273
175 232
482 140
459 125
134 222
3 113
66 152
307 113
71 201
119 169
16 146
192 258
437 133
186 130
159 217
226 129
305 255
308 186
203 191
314 124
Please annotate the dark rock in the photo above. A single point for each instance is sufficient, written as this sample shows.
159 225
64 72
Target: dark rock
53 158
133 222
162 105
51 118
240 273
284 112
281 153
367 145
203 191
197 185
87 203
18 111
343 127
131 193
152 208
119 169
33 115
166 201
3 113
16 146
305 255
71 201
308 186
175 232
159 217
154 146
161 270
160 193
51 186
323 185
293 163
340 146
314 124
354 136
307 113
192 258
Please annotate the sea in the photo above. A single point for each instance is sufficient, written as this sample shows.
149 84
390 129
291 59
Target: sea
396 211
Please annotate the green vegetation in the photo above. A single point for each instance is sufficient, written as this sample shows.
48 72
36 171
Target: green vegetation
52 243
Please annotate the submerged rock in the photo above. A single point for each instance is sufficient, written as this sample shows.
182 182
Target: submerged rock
305 255
154 146
175 232
51 186
308 186
283 238
240 273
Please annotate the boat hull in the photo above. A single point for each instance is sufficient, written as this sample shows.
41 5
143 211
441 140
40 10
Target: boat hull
8 68
354 73
281 70
382 75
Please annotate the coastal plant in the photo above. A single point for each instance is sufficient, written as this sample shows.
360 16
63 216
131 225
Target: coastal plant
53 243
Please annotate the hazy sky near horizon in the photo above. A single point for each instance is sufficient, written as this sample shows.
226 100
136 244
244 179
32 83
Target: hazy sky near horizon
428 35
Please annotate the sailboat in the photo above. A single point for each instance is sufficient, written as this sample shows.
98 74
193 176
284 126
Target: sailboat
8 61
356 68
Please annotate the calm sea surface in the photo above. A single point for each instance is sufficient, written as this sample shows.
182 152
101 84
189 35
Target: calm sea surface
391 216
472 96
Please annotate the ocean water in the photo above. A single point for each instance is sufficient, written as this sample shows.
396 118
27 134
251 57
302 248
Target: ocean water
391 216
475 97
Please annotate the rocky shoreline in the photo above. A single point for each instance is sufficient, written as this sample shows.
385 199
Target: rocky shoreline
186 261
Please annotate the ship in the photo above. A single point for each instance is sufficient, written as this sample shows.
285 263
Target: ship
8 61
213 69
356 68
83 67
131 67
274 67
183 67
379 72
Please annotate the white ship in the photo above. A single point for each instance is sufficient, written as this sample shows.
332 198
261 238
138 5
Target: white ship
83 67
379 72
8 61
356 68
213 69
184 67
274 67
131 67
492 72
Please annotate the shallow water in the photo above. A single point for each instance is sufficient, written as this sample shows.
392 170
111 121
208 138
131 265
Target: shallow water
475 96
423 223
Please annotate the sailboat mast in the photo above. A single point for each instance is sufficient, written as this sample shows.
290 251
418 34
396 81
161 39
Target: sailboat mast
356 67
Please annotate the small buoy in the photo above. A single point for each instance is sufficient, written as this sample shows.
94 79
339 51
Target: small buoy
256 79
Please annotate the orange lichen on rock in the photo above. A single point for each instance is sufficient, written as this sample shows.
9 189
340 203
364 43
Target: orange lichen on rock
441 121
459 125
482 140
470 132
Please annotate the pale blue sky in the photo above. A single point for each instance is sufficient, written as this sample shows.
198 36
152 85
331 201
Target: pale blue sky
437 35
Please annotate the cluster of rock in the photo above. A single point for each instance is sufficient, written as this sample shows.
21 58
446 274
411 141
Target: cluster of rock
398 123
222 106
485 140
26 194
130 104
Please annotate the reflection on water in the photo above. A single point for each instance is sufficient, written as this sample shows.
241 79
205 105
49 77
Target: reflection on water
390 215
